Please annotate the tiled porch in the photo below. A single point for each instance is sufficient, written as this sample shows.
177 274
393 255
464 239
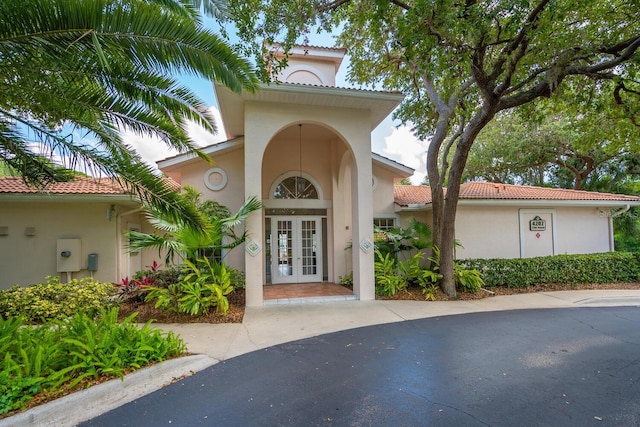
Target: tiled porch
297 293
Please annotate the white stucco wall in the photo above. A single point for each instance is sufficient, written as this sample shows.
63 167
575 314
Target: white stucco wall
582 231
487 232
494 232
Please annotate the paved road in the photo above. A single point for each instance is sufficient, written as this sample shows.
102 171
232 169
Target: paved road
557 367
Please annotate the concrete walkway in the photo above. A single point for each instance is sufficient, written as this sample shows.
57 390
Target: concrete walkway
276 324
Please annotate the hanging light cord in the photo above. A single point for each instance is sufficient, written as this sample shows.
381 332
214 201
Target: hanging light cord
300 160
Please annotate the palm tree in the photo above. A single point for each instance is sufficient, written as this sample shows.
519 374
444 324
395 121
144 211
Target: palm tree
99 67
185 243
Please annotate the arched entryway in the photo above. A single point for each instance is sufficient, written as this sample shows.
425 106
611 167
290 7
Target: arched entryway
312 147
296 250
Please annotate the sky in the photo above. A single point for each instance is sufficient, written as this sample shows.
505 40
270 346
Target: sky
389 139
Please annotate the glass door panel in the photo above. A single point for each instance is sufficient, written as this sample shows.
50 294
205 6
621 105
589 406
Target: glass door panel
284 259
308 246
297 250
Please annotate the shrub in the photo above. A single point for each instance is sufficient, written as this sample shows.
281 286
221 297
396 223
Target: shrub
55 300
468 280
237 278
62 354
205 285
346 280
609 267
158 278
388 278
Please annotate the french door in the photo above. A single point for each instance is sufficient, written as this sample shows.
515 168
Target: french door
296 249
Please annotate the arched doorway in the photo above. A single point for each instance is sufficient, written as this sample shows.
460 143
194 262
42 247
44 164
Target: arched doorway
295 235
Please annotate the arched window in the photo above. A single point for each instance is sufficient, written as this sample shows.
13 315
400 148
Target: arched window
295 187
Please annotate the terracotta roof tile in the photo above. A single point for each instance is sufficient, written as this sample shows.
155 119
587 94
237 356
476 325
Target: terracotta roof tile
405 195
80 185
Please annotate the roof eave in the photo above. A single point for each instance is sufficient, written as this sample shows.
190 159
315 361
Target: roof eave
395 167
231 104
217 148
70 198
528 203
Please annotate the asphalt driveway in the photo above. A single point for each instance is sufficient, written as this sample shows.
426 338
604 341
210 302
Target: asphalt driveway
552 367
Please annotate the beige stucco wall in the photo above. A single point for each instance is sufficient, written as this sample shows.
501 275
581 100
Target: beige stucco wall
305 70
311 157
231 196
383 193
26 260
263 123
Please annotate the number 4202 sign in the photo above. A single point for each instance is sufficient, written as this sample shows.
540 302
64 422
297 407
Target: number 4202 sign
537 224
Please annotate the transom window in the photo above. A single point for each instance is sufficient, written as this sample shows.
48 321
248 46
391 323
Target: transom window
295 187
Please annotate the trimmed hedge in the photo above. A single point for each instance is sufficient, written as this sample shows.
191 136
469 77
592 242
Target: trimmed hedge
609 267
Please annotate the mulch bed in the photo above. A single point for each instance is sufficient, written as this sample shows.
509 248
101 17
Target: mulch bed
415 294
147 312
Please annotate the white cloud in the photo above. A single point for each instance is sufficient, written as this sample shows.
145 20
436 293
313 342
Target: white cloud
402 146
152 149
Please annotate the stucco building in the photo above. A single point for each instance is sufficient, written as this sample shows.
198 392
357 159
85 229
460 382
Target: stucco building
302 146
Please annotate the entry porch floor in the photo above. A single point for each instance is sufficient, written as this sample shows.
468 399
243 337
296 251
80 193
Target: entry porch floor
306 293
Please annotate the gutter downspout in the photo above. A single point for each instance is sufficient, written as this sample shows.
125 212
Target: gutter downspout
119 237
612 245
621 211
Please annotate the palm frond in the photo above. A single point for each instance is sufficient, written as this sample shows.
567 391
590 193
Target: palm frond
102 67
251 205
171 247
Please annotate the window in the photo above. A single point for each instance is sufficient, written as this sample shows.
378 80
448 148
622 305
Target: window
295 187
214 254
384 223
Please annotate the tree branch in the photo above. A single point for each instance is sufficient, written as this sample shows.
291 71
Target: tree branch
519 46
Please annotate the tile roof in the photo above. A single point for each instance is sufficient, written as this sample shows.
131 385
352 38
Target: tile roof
405 195
81 185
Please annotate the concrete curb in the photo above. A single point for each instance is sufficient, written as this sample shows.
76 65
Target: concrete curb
87 404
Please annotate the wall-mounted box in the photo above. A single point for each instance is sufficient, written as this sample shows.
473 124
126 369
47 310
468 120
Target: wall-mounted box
92 262
68 255
4 230
29 231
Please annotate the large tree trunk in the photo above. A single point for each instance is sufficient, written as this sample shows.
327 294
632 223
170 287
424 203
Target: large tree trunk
447 226
435 183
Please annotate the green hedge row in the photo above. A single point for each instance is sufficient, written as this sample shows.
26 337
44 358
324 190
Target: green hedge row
609 267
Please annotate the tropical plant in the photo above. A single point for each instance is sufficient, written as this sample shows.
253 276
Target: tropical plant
387 275
417 236
205 285
467 279
77 72
180 242
136 288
